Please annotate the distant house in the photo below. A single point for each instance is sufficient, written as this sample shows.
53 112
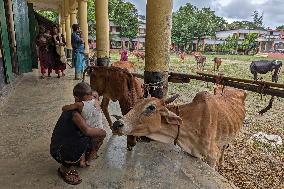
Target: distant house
241 33
116 42
271 41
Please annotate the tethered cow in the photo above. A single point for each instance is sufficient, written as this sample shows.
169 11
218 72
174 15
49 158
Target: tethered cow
265 66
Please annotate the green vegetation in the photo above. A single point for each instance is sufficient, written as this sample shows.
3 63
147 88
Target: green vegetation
189 23
51 15
124 14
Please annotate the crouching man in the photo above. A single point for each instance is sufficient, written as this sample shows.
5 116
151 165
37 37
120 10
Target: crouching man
73 140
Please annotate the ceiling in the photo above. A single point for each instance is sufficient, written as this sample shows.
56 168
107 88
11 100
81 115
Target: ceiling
46 4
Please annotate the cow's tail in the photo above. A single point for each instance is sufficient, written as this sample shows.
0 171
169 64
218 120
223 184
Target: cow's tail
268 107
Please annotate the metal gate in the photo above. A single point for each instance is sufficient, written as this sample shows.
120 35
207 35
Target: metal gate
6 56
23 45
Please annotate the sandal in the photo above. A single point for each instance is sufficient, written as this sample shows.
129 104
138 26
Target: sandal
72 173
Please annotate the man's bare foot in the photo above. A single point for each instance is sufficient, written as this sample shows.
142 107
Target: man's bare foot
82 162
91 156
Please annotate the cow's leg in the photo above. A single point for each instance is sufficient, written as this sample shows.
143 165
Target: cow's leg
218 65
255 76
221 159
212 157
215 66
104 106
131 142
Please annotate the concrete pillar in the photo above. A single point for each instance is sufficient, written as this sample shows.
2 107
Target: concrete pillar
83 9
68 32
73 17
102 33
63 27
68 46
158 42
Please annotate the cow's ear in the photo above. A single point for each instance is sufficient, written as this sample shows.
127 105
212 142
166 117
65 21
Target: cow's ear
170 117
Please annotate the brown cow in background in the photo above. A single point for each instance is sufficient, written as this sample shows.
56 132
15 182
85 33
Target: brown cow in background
124 65
203 128
217 63
139 55
200 60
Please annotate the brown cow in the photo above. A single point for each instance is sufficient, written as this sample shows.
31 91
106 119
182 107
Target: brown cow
203 128
124 65
116 84
139 54
217 63
200 60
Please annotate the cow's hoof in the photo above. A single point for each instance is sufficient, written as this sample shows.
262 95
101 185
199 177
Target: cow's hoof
129 148
144 139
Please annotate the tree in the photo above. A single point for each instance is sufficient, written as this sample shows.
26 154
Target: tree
51 15
125 15
189 23
241 25
91 16
280 27
257 20
183 25
231 44
249 44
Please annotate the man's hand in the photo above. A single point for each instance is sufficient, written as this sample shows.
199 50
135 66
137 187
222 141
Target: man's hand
86 129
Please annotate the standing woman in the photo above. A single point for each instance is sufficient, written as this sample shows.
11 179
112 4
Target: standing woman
52 56
60 58
78 51
41 42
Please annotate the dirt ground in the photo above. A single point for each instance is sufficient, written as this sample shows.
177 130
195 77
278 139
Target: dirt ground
249 164
27 119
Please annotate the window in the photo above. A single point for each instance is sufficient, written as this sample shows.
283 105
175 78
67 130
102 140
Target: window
117 29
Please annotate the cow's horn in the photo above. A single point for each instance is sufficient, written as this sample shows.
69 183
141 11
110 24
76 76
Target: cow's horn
171 99
117 117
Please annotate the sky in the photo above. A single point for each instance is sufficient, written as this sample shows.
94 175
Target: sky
233 10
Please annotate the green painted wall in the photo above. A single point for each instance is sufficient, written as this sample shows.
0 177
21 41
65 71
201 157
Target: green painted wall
33 33
5 44
23 40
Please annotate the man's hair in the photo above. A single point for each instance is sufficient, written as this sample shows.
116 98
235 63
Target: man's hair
82 89
75 27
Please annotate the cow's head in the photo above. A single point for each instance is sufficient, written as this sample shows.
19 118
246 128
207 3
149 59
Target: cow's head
276 66
148 118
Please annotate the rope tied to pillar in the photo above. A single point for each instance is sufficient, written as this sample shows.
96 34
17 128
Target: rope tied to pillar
154 86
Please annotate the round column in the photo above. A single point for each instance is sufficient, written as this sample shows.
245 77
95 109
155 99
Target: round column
83 9
158 41
68 35
73 17
102 33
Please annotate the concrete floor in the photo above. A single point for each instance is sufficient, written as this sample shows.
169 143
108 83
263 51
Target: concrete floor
26 123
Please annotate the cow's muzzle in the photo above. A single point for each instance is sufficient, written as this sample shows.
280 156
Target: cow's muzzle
117 125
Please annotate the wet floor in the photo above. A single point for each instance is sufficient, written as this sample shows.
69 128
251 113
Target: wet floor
26 123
